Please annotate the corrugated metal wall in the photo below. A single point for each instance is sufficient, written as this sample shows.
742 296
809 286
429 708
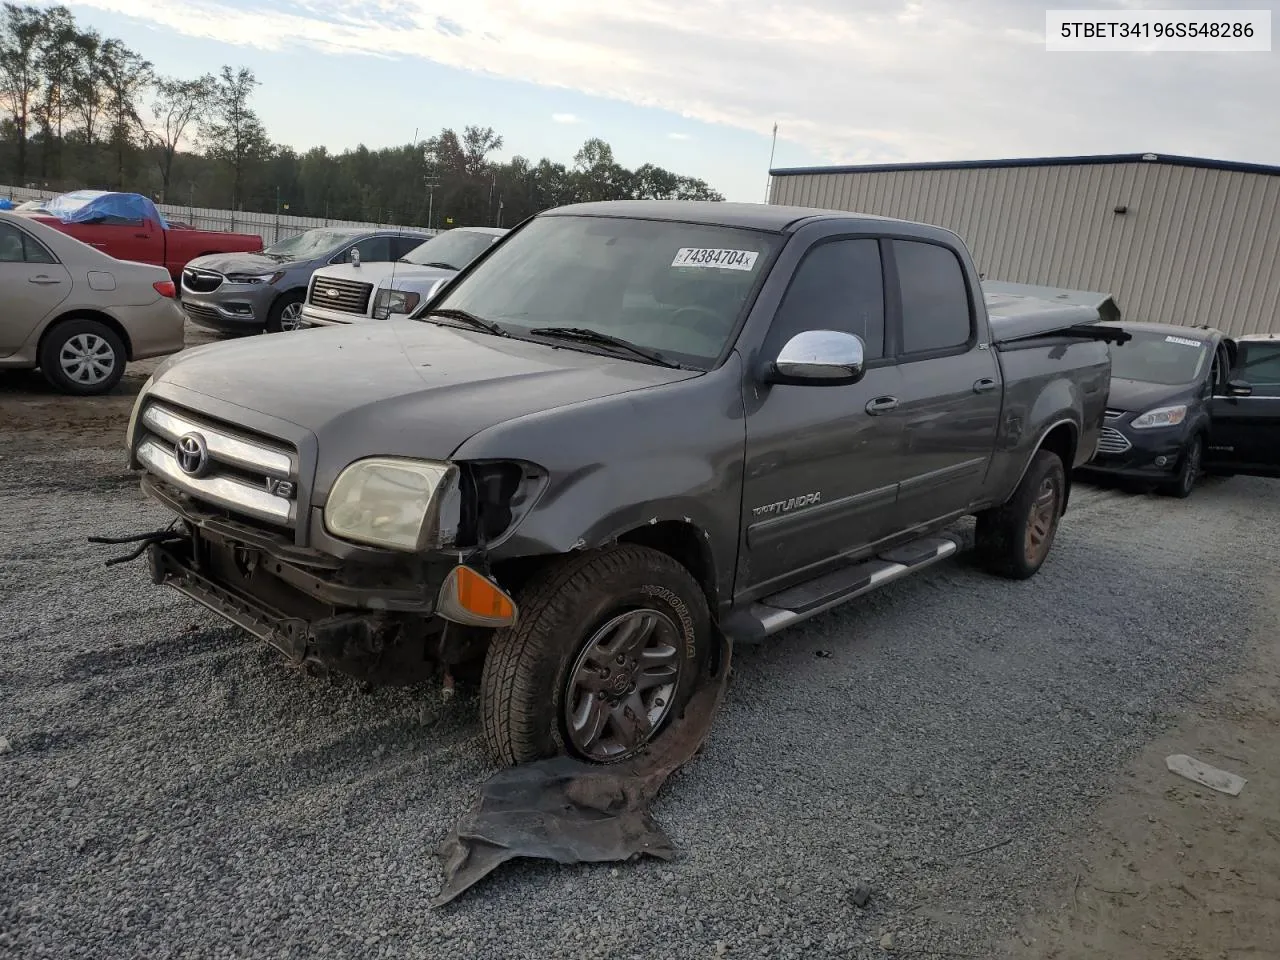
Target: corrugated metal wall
1196 245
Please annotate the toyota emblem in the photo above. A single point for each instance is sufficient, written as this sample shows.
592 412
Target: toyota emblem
192 454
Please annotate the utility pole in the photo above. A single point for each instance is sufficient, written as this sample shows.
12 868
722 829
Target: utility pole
768 182
498 223
431 181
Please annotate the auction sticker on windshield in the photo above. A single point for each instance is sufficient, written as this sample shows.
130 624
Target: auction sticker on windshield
1182 340
721 259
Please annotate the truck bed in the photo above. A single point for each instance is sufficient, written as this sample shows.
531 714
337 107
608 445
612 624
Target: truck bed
1019 311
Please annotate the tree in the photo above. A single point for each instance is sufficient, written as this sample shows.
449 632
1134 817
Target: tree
235 135
125 75
477 144
57 65
87 85
179 106
21 30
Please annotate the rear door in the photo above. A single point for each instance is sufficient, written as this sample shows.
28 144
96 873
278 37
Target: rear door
32 284
1244 431
950 398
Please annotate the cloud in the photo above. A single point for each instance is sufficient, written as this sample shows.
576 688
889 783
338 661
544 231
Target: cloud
565 118
881 80
679 136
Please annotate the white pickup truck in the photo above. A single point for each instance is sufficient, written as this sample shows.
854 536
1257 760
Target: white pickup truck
354 292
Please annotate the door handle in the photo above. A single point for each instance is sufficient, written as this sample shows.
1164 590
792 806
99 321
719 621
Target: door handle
985 385
42 279
142 236
881 405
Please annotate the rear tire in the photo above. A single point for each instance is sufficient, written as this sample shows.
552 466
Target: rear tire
286 313
1189 470
1014 539
83 357
570 666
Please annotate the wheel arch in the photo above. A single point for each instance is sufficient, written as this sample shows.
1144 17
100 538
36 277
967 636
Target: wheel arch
1061 438
87 313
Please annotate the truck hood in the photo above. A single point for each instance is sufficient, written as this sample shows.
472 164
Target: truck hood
381 274
410 389
226 263
1139 396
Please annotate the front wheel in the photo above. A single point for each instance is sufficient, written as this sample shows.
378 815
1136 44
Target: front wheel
286 314
83 357
605 654
1188 471
1013 540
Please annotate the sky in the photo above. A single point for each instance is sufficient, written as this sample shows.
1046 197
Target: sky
697 85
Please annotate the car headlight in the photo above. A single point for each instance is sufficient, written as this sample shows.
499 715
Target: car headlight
1160 417
394 301
390 502
255 278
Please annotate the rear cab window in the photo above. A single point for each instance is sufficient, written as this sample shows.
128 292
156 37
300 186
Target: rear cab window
937 316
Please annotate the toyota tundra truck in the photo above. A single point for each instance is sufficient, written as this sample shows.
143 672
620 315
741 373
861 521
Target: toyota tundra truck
626 436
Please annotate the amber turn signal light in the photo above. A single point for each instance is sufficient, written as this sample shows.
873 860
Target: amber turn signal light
470 598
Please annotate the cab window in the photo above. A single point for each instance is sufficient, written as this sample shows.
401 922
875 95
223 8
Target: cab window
1258 364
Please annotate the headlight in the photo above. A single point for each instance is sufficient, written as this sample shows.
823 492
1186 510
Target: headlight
133 414
394 301
254 278
390 502
1160 417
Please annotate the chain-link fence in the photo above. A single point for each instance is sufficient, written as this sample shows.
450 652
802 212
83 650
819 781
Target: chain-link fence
271 227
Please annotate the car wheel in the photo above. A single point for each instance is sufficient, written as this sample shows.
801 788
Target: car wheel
605 653
82 357
1188 471
286 314
1014 539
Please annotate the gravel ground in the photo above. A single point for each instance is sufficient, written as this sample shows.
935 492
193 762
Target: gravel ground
170 789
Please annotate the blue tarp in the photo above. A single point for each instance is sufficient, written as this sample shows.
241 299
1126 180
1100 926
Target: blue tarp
6 203
85 206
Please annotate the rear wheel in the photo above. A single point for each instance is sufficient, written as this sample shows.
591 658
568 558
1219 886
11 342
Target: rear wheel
286 313
605 654
1014 539
83 357
1188 470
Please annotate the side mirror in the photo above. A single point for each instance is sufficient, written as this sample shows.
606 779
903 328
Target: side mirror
1239 388
819 358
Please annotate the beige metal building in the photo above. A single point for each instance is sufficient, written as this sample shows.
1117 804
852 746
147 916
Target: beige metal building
1174 239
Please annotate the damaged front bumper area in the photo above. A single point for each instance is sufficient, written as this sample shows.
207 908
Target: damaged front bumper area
376 617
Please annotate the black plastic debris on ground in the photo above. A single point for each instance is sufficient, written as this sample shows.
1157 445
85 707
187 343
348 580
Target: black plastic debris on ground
568 811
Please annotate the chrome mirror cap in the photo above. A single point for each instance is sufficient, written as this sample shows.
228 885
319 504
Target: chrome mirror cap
821 356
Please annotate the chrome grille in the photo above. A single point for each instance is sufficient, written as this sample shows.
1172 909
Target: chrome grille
1112 441
200 281
332 293
247 476
1113 414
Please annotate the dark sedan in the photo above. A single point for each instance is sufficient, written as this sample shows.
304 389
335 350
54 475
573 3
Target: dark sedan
1177 409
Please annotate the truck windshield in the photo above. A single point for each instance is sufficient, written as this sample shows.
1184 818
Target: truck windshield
1159 358
308 245
452 250
675 288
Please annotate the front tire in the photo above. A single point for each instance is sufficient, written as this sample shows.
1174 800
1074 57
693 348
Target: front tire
83 357
1013 540
286 313
1188 471
605 654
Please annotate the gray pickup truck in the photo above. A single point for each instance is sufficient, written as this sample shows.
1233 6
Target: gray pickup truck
625 436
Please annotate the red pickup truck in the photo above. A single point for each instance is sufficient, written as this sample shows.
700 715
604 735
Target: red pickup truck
128 226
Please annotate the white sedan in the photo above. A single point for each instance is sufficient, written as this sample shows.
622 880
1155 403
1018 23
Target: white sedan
77 313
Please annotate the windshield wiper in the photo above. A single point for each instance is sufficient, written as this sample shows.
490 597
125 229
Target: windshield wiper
583 335
449 313
433 263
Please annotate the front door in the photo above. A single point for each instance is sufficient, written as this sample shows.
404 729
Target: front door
949 408
1244 431
819 466
32 284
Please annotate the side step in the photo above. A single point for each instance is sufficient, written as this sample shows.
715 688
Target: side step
778 611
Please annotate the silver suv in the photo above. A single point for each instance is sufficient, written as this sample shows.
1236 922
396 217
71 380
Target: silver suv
250 292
